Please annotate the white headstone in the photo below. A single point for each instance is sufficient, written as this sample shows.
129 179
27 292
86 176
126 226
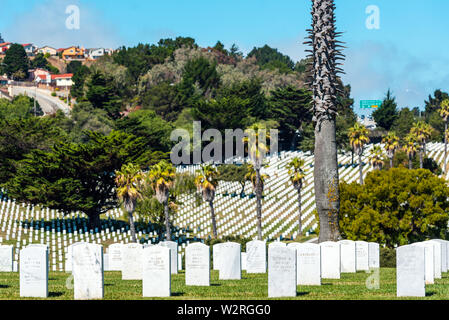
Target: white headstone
430 260
373 255
6 258
197 265
68 259
156 271
362 255
281 272
132 261
277 244
34 272
115 257
437 257
330 260
256 257
106 262
444 248
173 246
87 269
216 256
410 271
243 255
348 257
230 261
308 257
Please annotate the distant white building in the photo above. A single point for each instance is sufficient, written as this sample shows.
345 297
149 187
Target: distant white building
30 49
44 50
367 121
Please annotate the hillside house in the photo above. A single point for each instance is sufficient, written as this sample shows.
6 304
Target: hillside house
44 50
73 53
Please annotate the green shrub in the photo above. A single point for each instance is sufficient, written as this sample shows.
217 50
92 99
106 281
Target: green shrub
387 258
53 94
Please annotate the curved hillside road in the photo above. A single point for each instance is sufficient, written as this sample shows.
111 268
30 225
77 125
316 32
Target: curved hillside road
48 103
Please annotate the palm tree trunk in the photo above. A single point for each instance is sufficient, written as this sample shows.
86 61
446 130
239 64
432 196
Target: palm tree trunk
212 216
360 168
132 227
410 165
326 179
391 163
445 148
167 222
259 204
421 158
300 212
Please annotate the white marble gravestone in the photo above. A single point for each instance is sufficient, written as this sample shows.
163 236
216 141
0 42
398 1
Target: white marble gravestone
106 262
6 258
330 260
197 265
437 257
348 256
34 272
173 246
230 261
429 261
373 255
68 259
115 257
256 257
156 271
132 261
444 248
308 263
277 244
216 256
87 269
243 258
281 272
410 271
362 255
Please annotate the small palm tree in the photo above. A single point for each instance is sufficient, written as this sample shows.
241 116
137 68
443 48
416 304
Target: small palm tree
376 158
129 180
410 148
358 137
422 132
391 142
257 149
207 183
297 175
161 178
444 113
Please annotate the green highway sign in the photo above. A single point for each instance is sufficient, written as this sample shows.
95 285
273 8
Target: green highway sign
369 104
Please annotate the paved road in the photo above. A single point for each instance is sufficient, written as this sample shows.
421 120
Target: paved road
48 103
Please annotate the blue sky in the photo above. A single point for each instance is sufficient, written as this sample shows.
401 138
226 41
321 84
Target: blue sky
408 54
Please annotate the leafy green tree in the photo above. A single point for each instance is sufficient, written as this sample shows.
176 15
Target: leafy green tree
79 79
74 66
290 107
16 62
207 183
203 72
20 107
395 207
270 58
77 177
40 61
161 178
234 173
102 94
128 180
404 122
387 113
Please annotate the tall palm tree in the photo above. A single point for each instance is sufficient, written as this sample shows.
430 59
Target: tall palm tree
324 84
358 137
207 183
257 149
129 181
297 175
376 158
161 178
391 142
444 113
410 148
422 131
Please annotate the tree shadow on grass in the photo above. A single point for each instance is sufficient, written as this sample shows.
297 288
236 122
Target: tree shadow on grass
215 285
55 294
431 293
177 294
3 286
302 293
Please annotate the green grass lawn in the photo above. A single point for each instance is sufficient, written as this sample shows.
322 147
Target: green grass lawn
252 287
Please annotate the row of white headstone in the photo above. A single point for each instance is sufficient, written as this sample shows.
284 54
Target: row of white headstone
419 264
288 266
